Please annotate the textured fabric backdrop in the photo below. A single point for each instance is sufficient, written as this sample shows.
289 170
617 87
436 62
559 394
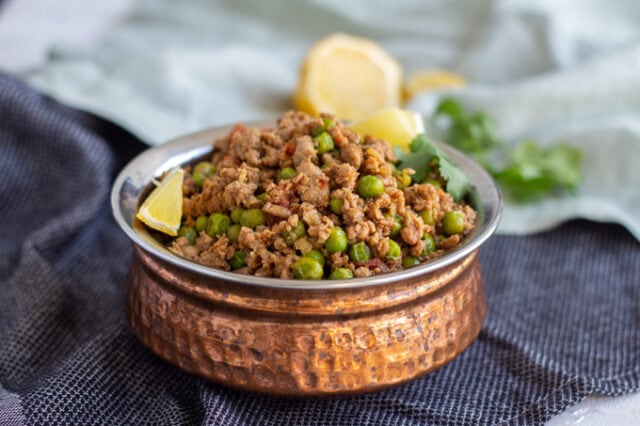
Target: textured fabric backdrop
564 308
546 70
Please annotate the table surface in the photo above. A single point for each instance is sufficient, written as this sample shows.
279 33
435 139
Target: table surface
81 23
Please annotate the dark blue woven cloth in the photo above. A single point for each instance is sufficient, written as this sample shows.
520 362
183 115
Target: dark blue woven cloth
563 319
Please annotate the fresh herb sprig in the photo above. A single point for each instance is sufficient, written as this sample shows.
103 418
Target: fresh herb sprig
526 172
425 156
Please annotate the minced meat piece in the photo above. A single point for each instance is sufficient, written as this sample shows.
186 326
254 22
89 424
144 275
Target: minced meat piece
294 214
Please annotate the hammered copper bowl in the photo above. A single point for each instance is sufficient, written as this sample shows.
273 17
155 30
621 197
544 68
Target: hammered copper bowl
299 338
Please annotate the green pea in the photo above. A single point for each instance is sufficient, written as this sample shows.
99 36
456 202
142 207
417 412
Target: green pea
252 218
410 261
296 232
453 222
429 244
262 197
287 173
403 179
201 171
323 142
238 260
337 241
188 232
234 232
218 224
198 178
327 123
341 274
335 205
236 213
205 167
435 182
370 187
397 224
427 217
316 255
359 252
307 268
394 251
201 223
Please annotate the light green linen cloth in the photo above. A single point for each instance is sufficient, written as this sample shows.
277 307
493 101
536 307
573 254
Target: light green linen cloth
554 71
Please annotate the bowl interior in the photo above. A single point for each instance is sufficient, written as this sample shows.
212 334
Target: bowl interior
133 183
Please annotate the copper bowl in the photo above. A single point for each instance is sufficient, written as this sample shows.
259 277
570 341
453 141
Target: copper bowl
292 337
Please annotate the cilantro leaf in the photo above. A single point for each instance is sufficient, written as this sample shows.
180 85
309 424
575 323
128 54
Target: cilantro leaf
423 155
526 172
535 172
474 133
457 180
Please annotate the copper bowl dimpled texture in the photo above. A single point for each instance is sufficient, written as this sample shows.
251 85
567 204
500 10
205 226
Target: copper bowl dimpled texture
300 338
305 342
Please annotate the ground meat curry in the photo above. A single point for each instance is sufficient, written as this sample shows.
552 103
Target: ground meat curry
310 199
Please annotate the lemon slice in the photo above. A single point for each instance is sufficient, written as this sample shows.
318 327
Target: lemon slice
397 126
162 209
348 76
432 80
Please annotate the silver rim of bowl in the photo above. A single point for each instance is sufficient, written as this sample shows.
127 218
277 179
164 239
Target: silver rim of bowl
135 177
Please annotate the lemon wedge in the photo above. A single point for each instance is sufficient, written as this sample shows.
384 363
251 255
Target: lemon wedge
397 126
348 76
162 209
432 80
